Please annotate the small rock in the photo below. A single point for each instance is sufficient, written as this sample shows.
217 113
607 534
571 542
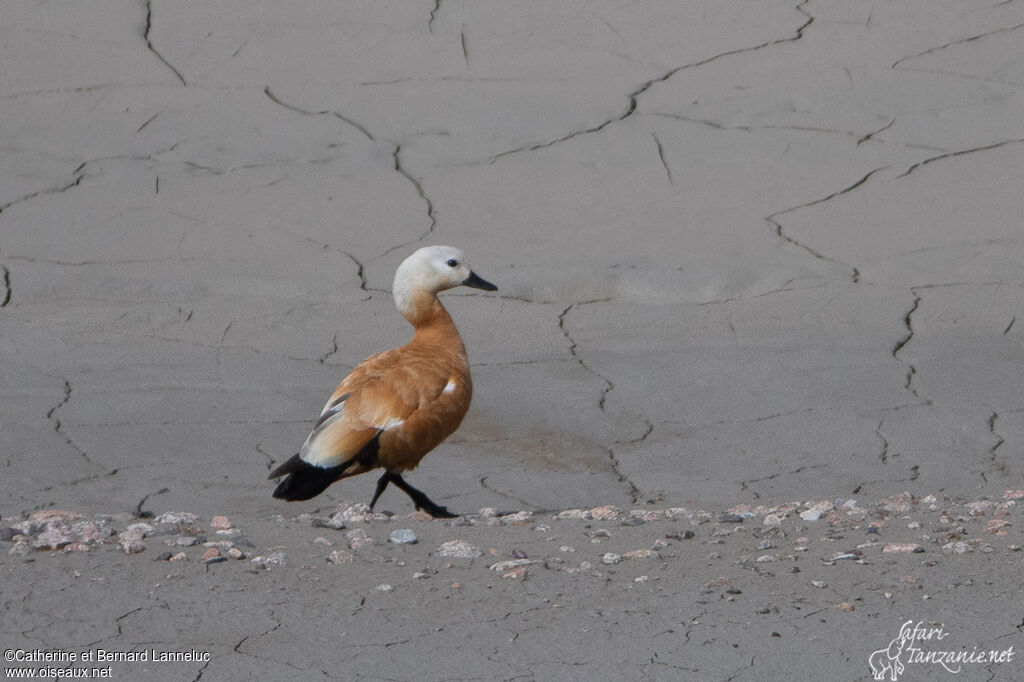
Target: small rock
211 553
321 540
510 563
898 504
607 511
680 535
640 554
220 523
515 574
572 514
384 587
458 549
610 558
419 515
959 547
730 518
518 554
420 575
51 538
641 579
995 526
270 560
7 534
143 529
19 549
845 606
978 508
520 518
180 556
766 544
764 558
772 520
235 553
163 556
176 517
340 556
820 584
132 546
566 548
1013 495
403 536
902 547
186 540
77 547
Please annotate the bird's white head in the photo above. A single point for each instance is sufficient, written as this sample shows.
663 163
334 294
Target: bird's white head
431 270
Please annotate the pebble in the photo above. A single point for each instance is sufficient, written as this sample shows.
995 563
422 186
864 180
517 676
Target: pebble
520 518
211 553
51 538
176 517
902 547
640 554
458 549
611 558
898 504
270 560
132 546
20 549
515 574
608 511
680 535
340 556
766 544
820 584
235 553
220 523
142 528
845 606
384 587
403 536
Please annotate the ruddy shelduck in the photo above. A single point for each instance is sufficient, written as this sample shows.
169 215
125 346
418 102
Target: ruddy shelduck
396 406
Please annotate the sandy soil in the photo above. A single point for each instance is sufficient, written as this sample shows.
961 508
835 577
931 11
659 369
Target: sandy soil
759 264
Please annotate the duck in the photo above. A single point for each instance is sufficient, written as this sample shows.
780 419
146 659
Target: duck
396 406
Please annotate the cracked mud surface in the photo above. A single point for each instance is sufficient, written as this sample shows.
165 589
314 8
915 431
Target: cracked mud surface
744 256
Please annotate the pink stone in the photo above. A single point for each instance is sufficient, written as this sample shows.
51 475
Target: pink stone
220 523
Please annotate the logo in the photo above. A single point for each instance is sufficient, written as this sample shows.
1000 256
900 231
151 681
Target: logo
920 644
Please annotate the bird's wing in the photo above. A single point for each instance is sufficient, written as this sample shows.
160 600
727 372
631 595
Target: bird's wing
407 400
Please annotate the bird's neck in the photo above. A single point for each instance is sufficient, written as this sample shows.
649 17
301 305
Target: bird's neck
432 323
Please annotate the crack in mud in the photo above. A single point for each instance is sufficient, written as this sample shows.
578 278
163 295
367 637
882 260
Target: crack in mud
152 48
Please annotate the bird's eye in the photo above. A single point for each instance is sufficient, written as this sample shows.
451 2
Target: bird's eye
452 263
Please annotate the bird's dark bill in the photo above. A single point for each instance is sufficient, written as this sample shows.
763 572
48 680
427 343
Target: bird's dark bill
474 280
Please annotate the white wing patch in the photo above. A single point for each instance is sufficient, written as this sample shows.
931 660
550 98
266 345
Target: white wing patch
390 424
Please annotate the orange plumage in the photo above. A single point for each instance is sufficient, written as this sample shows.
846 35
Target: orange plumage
396 406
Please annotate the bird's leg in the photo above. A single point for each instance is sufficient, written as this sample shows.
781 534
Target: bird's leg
419 499
382 483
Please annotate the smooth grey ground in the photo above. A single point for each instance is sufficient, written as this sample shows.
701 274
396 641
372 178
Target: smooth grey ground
745 254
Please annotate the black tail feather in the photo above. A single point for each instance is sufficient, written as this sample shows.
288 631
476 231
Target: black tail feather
304 481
